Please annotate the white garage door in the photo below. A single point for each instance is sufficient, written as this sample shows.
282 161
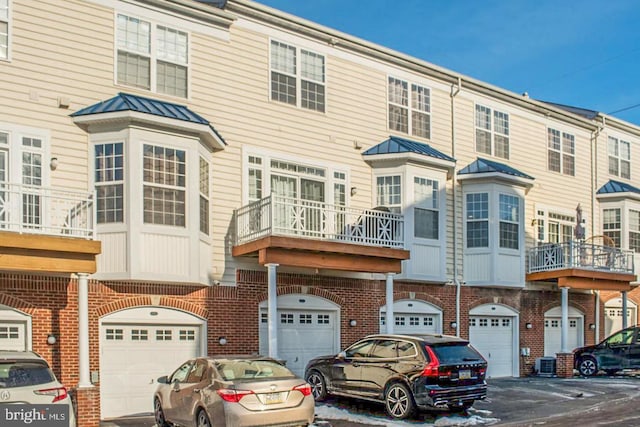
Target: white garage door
413 317
553 335
613 315
493 332
14 330
136 347
303 333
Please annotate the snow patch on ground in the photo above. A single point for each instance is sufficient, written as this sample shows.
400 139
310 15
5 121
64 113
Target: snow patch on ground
330 412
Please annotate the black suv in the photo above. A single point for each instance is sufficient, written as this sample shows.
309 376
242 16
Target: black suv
405 372
620 351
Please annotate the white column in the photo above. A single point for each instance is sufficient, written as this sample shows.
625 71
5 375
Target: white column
564 330
84 379
391 320
272 310
624 310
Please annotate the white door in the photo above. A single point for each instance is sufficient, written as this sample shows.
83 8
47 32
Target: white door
613 315
413 317
303 333
136 347
553 335
493 337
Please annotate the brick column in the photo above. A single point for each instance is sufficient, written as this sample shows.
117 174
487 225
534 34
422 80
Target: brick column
87 406
564 365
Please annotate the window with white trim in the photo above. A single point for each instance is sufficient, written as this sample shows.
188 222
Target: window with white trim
389 192
426 211
509 221
477 207
4 29
634 230
611 225
297 76
561 152
410 115
164 175
492 132
109 182
619 158
152 57
204 196
554 227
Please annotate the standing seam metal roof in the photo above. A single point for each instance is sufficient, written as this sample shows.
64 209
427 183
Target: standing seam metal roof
487 166
612 187
396 145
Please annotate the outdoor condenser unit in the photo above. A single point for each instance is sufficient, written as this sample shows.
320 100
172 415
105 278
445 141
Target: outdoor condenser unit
546 366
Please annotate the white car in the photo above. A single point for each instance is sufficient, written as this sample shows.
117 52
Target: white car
26 378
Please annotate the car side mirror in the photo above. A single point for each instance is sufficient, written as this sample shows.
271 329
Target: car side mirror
163 380
342 355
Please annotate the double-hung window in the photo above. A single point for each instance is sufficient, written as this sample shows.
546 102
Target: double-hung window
409 114
477 208
164 172
389 192
561 152
426 211
204 196
297 76
109 182
509 221
4 29
619 158
634 230
611 225
152 57
492 132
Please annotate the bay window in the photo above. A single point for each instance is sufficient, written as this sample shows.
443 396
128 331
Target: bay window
164 176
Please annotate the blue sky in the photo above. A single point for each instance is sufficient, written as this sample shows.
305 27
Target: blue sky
584 53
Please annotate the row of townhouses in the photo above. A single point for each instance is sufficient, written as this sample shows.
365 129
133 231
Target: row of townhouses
182 178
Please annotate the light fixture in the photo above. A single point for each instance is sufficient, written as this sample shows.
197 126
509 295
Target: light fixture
222 341
453 325
529 325
53 164
51 339
353 322
354 191
592 326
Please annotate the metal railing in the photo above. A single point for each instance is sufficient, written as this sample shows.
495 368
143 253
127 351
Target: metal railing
38 210
280 216
579 254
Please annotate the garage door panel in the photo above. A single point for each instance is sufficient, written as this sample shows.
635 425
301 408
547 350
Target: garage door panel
553 335
412 323
493 338
13 336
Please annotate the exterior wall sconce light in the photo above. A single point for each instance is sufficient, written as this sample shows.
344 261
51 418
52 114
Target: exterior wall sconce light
592 326
354 191
222 341
453 325
53 164
51 339
353 322
529 326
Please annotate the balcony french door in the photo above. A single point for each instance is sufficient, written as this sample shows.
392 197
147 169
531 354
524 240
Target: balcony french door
21 205
299 209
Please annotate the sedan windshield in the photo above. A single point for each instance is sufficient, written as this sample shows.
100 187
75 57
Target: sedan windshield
250 369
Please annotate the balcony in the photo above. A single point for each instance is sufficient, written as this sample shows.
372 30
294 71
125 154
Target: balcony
44 229
580 264
320 235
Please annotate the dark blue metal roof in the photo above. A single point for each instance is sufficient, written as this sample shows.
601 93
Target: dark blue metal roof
589 114
612 187
487 166
395 145
128 102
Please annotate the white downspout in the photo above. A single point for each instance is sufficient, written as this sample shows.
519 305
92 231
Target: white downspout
455 90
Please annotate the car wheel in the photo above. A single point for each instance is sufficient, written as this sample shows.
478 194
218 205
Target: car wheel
588 367
203 419
461 407
398 401
159 414
318 385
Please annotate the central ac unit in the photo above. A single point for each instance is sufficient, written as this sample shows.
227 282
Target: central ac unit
546 366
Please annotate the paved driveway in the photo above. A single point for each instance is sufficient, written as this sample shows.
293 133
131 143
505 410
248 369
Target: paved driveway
522 402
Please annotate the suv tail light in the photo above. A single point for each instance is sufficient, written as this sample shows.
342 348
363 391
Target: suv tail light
305 389
432 370
58 393
233 396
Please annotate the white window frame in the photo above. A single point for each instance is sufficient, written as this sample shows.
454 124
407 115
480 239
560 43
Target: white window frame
557 141
410 102
392 201
299 77
110 182
613 229
490 128
204 195
5 18
633 227
480 219
508 219
615 157
153 55
560 220
429 202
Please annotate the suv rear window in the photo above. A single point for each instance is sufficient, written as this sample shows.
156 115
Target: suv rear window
455 353
22 374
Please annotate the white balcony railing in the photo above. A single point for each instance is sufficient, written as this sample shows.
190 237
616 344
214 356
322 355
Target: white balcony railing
580 255
280 216
37 210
